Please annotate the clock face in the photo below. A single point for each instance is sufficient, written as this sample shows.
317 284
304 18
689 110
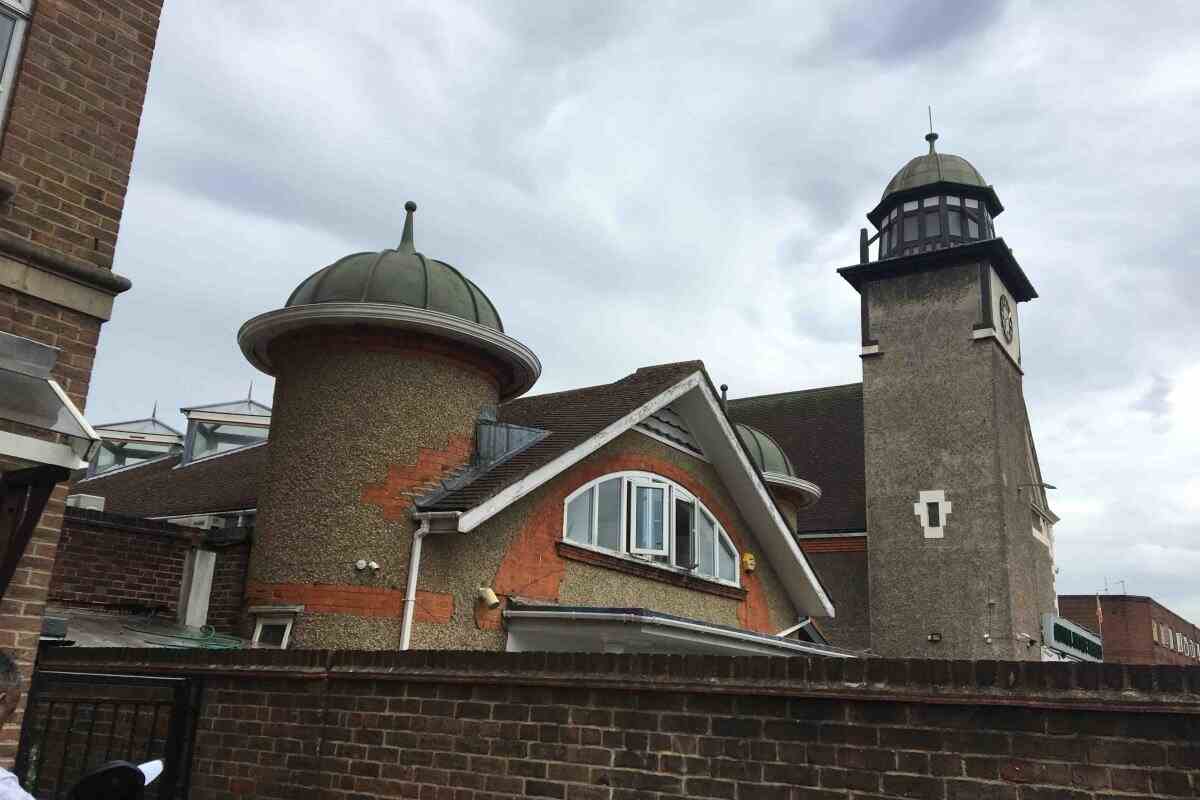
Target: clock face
1006 319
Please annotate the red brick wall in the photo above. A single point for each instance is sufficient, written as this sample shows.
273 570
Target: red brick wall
74 120
106 561
468 726
1127 629
68 142
229 588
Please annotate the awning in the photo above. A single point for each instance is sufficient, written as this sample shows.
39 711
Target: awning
585 629
39 425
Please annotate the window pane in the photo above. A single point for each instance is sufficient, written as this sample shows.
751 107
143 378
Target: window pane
934 512
931 201
272 634
650 530
972 228
971 202
954 223
893 215
217 437
952 201
608 515
8 24
910 229
706 540
933 224
684 522
579 518
726 561
911 205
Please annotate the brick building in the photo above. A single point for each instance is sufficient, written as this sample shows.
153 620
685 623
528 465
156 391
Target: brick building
71 92
1136 630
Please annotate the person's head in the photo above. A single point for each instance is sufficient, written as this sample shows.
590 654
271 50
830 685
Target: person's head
10 686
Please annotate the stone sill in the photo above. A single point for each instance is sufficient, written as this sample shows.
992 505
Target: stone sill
586 555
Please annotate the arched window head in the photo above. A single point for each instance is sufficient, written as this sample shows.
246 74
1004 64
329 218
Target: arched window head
643 516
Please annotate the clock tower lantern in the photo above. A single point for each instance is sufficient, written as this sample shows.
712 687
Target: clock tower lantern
960 541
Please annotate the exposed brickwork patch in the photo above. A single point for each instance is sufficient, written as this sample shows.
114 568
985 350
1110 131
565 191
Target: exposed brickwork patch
405 482
362 601
839 544
533 568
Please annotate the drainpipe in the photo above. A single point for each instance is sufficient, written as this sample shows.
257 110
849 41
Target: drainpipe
427 526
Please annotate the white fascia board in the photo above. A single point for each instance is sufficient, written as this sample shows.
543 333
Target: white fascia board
709 425
485 511
251 420
37 451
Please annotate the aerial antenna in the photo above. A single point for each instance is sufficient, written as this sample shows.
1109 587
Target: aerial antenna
250 391
154 412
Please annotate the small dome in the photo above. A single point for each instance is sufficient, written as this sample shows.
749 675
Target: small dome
399 277
934 167
764 452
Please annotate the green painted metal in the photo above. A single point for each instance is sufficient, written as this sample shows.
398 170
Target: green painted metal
766 454
934 167
401 277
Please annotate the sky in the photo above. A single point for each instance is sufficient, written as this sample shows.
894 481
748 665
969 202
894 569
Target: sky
636 183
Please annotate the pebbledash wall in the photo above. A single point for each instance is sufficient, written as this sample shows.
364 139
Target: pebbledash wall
65 159
473 725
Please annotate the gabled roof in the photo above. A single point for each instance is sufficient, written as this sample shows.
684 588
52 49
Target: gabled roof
248 407
151 425
226 482
572 417
821 431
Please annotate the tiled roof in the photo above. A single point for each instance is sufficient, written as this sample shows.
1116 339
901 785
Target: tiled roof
821 430
571 417
227 482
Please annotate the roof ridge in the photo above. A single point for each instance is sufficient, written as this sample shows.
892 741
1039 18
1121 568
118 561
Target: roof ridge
795 392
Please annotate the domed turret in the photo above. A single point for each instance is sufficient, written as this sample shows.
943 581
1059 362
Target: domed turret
403 291
384 364
399 277
935 201
776 468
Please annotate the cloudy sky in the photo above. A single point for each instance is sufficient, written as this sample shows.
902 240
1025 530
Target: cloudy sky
635 183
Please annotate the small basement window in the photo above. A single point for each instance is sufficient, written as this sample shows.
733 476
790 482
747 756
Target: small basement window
273 625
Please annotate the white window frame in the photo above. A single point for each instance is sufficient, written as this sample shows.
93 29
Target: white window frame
287 620
21 10
668 518
673 491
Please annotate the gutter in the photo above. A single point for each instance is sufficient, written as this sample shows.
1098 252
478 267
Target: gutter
429 524
637 619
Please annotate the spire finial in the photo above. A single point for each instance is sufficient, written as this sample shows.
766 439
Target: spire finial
250 391
406 240
931 137
154 411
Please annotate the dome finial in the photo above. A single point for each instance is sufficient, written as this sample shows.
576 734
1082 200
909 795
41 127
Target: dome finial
406 239
931 137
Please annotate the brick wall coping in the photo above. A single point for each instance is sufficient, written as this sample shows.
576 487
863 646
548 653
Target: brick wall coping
66 266
1078 686
85 517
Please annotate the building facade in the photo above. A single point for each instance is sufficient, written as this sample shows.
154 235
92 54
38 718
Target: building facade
1135 629
904 516
72 85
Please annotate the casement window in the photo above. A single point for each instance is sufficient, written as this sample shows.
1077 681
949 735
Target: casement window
933 223
14 21
646 517
273 625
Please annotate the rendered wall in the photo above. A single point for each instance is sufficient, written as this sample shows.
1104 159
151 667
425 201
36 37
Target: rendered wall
470 726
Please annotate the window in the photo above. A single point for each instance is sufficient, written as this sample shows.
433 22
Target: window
954 223
934 510
1154 631
273 632
910 228
113 454
14 19
643 516
208 438
933 224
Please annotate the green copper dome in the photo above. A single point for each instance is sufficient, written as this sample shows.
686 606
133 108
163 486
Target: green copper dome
764 452
399 277
934 167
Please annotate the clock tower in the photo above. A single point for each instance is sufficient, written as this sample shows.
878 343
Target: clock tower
960 541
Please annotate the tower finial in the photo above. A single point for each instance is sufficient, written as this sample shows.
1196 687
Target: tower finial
406 240
154 411
931 137
250 391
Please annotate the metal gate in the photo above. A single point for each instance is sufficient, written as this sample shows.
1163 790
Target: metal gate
77 721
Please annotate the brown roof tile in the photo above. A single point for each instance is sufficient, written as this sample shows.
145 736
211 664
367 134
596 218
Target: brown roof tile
227 482
821 430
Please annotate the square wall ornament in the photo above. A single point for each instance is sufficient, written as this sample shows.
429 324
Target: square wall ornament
931 509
